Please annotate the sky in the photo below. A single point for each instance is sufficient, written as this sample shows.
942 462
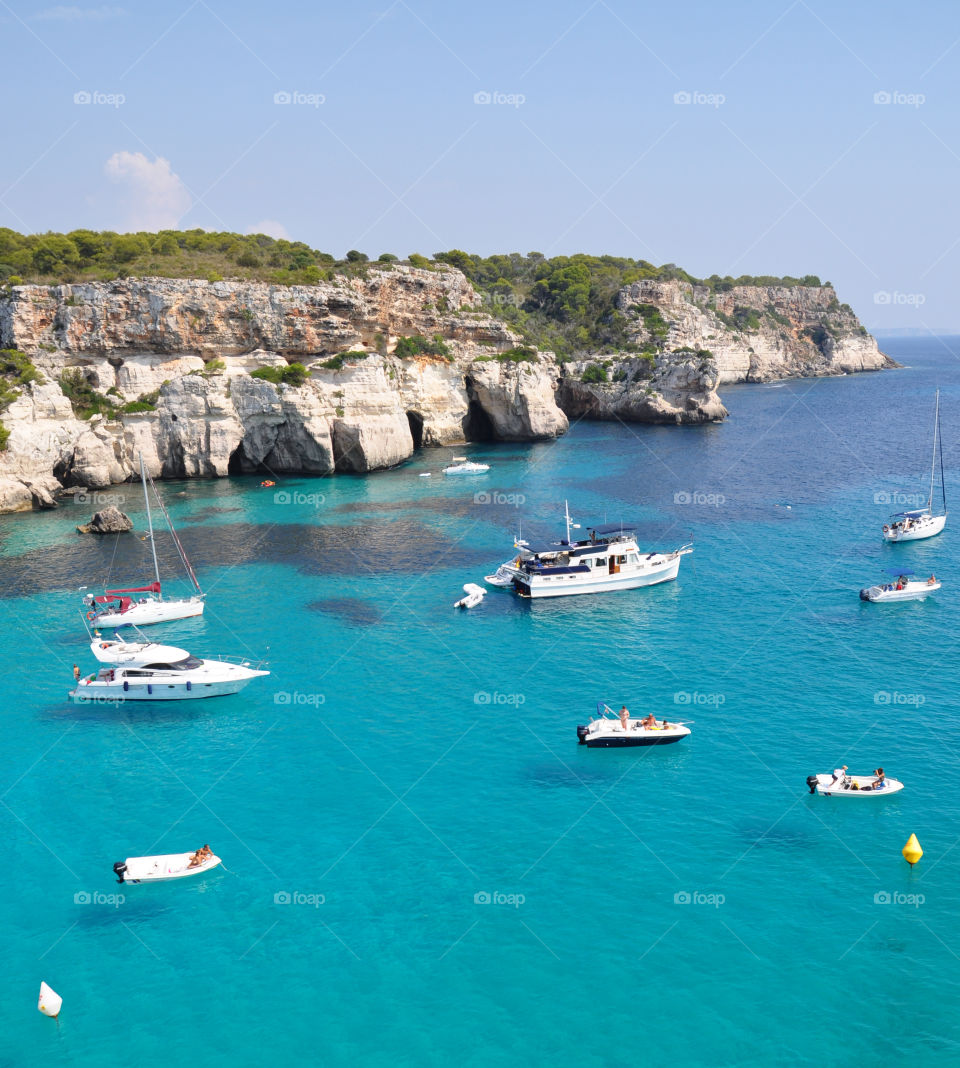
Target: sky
795 137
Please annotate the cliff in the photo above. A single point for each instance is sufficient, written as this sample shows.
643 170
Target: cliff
164 367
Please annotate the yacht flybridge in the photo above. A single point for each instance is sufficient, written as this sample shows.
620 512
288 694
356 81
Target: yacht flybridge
922 523
114 608
146 671
609 558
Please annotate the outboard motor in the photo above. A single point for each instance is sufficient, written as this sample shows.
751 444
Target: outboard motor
863 595
582 734
118 869
812 781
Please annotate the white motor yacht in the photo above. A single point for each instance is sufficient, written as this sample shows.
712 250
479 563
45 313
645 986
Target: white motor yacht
609 558
610 730
146 671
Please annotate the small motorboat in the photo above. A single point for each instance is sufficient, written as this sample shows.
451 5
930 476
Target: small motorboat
156 869
267 483
851 785
462 466
609 731
474 595
902 588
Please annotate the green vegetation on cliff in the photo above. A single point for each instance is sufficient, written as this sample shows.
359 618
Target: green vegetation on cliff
564 303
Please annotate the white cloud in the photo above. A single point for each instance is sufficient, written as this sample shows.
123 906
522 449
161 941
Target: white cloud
79 14
270 227
155 198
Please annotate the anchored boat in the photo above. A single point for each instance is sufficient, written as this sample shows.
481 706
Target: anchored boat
462 466
843 785
170 866
903 588
146 671
922 523
616 730
609 558
113 608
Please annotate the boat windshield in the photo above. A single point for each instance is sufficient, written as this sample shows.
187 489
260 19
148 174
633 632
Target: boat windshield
188 663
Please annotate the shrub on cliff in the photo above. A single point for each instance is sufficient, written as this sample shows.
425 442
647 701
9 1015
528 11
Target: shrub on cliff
593 374
294 374
84 399
418 345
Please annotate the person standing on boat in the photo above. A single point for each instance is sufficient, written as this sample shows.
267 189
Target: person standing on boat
624 718
840 774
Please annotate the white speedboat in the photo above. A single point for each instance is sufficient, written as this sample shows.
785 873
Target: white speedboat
609 558
902 588
922 523
851 786
609 731
462 466
474 595
113 608
146 671
156 869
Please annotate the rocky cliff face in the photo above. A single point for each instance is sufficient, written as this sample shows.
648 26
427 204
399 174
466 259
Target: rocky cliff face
185 349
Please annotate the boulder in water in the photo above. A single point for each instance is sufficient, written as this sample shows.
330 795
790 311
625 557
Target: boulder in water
109 520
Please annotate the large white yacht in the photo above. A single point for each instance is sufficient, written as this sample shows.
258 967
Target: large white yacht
609 558
146 671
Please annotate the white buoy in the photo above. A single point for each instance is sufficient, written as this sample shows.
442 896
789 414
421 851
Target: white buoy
50 1001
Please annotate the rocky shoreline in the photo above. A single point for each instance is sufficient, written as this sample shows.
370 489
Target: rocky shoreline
353 375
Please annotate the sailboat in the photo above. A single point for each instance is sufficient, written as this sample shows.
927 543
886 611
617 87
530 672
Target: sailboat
922 523
115 608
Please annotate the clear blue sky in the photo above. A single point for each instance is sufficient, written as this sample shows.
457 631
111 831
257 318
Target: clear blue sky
783 160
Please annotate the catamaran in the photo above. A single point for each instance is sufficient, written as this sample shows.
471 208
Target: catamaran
609 558
114 608
922 523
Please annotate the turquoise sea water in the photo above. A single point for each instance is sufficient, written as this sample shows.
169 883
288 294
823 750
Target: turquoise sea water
421 866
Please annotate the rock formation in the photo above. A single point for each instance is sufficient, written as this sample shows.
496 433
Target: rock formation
109 520
166 364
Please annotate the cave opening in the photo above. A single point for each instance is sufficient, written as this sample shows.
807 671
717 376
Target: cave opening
415 419
477 425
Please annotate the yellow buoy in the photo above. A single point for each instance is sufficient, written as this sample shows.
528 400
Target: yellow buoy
912 851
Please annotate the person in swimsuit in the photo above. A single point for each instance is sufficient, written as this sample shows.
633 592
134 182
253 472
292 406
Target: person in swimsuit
650 722
624 718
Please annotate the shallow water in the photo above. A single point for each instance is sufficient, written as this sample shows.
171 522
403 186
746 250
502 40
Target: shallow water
421 866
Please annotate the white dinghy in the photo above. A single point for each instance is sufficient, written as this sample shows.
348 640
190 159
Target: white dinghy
169 866
462 466
840 784
616 730
903 588
474 595
49 1002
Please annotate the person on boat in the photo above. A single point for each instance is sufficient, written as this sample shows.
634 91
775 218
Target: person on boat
932 581
196 859
880 781
76 673
650 722
624 718
839 775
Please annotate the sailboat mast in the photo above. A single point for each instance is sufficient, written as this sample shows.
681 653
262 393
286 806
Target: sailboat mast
933 462
146 500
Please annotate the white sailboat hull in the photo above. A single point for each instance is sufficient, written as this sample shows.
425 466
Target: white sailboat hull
927 527
147 612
